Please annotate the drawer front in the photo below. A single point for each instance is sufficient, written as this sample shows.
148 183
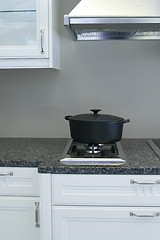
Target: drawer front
19 181
109 190
84 222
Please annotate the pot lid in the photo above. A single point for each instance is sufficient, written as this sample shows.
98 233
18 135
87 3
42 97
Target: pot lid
96 117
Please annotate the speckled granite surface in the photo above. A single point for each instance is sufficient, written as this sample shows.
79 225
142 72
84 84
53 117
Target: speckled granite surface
30 152
45 153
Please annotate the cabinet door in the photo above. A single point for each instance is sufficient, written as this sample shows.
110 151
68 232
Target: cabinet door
93 223
24 29
19 218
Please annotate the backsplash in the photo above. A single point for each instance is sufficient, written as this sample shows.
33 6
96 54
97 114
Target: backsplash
120 77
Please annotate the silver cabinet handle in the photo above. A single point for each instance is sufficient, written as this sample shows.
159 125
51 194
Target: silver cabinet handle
145 215
42 41
37 215
6 174
145 183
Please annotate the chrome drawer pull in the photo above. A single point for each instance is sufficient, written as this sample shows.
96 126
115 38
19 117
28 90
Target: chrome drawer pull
42 41
37 215
6 174
145 183
144 215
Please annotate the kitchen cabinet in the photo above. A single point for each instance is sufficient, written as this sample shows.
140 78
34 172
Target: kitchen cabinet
19 203
29 35
100 206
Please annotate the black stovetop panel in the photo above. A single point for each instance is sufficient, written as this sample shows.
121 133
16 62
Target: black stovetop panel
93 150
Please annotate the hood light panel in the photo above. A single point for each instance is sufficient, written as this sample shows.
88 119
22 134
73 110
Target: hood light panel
116 35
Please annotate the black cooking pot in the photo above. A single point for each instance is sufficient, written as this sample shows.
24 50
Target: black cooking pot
96 128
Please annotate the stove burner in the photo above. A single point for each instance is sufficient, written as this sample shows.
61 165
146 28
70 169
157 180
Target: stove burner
93 150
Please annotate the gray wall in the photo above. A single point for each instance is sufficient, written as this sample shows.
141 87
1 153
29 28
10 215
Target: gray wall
120 77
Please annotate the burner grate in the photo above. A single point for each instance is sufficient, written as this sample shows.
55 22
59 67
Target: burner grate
93 150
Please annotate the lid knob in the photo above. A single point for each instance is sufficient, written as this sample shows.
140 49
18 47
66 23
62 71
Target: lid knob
95 111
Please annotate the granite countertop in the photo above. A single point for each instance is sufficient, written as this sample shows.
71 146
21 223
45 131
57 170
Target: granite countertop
45 153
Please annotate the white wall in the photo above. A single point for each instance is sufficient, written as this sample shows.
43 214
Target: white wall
120 77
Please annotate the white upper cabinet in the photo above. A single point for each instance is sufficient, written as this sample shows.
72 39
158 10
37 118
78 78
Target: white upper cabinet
29 34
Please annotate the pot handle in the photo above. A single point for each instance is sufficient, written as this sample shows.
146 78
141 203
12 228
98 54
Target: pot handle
67 117
95 111
126 121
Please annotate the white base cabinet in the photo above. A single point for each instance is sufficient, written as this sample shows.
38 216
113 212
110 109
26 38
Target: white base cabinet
92 207
19 204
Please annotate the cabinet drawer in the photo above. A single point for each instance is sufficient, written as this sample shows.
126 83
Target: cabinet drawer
109 190
84 222
19 181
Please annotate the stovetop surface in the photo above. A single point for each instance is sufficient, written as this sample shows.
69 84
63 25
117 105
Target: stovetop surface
90 154
83 150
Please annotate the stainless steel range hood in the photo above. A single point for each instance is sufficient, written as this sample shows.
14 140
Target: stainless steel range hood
114 19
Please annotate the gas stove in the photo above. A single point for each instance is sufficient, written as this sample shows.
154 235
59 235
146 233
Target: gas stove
82 153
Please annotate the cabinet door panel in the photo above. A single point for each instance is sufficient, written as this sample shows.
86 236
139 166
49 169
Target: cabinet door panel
103 223
18 28
21 29
17 219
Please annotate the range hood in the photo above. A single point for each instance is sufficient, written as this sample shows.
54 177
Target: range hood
114 20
